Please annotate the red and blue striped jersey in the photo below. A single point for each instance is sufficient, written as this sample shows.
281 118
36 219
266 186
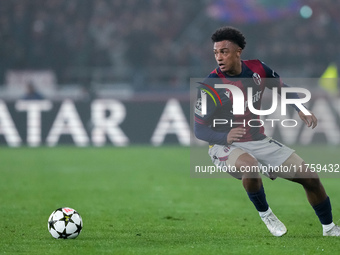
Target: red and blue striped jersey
219 102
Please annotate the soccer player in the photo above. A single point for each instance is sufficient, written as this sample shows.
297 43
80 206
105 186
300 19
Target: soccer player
239 145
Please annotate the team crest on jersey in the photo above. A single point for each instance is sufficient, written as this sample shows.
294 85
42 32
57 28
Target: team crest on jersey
257 79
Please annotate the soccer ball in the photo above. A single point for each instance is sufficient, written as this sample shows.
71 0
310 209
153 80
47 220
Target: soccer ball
65 223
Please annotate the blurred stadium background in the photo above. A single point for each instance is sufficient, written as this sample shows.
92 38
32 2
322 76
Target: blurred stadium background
113 73
117 72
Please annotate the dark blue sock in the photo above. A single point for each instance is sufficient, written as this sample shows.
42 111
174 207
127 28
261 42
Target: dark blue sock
259 200
324 211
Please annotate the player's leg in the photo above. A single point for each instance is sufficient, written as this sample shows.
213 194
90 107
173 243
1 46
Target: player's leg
247 165
232 157
315 193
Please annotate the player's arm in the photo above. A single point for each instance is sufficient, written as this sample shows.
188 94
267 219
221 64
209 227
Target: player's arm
203 123
205 133
275 81
309 120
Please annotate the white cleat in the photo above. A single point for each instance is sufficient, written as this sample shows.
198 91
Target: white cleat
334 231
274 225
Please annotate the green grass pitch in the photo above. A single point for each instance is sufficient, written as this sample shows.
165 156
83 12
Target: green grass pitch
142 200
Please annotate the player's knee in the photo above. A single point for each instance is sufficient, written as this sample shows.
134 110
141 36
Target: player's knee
309 180
312 183
246 161
305 173
251 182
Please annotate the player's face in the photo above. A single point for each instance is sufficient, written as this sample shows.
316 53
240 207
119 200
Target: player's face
228 57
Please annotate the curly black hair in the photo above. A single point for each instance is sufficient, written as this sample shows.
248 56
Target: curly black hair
230 34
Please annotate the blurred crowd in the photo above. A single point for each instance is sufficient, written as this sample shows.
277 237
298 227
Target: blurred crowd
303 47
153 40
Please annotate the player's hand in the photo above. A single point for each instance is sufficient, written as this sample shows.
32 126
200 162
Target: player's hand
309 120
235 134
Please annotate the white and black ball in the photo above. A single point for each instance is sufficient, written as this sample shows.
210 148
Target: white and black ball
65 223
